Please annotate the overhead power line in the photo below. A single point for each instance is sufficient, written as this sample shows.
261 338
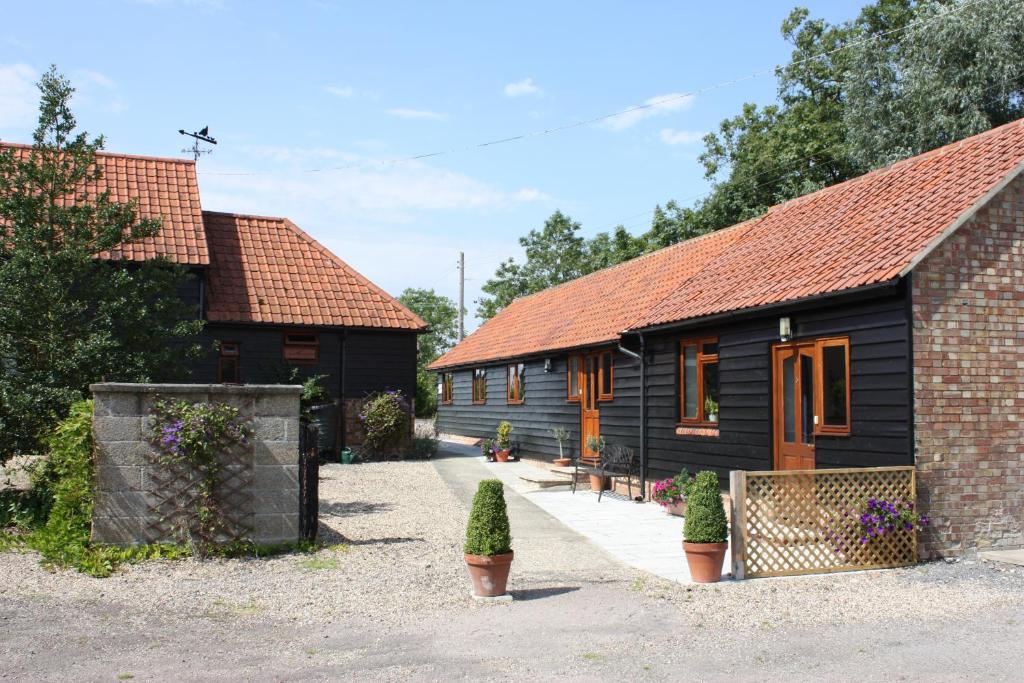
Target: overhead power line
654 103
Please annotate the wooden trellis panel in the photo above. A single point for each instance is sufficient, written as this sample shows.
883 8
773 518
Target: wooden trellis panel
807 521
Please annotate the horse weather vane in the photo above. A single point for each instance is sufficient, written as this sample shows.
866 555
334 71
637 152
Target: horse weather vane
202 136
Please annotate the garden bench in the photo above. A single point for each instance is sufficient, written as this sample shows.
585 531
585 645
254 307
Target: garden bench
614 462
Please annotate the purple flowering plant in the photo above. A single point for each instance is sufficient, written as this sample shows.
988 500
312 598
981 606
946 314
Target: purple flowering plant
880 517
195 437
385 417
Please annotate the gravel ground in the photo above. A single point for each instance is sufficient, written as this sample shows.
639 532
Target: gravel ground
392 603
401 556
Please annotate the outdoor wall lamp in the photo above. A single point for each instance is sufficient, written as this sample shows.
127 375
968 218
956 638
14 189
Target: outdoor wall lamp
785 331
547 365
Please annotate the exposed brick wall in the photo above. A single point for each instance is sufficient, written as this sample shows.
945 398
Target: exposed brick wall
968 307
127 478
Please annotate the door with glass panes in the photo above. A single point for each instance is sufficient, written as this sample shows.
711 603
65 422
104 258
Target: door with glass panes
794 417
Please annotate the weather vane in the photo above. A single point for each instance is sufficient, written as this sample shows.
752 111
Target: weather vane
201 136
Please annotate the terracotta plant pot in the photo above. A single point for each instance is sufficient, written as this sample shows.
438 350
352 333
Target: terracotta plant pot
705 561
489 573
502 456
561 462
598 483
676 509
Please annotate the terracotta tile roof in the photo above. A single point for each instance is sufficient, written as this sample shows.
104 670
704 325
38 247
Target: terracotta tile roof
267 270
867 230
165 188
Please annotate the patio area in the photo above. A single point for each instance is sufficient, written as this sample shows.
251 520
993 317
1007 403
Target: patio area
640 535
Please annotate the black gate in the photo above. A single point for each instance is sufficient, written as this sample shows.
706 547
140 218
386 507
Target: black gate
309 481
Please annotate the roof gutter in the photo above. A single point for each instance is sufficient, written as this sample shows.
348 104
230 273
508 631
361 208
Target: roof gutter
856 292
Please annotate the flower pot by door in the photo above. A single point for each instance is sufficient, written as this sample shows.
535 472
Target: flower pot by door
677 508
598 483
502 456
705 561
561 462
489 573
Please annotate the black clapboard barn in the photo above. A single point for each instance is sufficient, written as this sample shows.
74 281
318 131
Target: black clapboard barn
784 342
274 299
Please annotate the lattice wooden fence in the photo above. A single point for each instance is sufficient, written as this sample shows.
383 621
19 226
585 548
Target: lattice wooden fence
807 521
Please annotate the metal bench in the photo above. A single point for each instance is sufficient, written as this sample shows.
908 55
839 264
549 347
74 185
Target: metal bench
614 462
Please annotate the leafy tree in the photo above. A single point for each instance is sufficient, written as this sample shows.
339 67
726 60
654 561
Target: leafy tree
554 254
958 70
68 318
605 249
442 315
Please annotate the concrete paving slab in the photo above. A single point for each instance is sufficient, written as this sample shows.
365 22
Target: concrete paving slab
1006 556
640 535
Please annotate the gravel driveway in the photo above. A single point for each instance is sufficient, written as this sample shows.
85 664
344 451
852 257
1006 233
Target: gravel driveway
391 602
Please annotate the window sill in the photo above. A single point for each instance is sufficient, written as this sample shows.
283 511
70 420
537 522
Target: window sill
686 430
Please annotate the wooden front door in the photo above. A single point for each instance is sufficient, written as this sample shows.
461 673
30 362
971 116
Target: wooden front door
590 417
793 412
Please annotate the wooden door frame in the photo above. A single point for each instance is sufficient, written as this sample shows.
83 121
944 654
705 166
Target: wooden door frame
777 417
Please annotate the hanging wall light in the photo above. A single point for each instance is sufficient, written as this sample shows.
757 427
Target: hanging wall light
785 331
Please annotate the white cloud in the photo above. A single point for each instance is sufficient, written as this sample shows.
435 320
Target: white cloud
18 95
655 106
95 78
523 87
680 137
340 90
403 113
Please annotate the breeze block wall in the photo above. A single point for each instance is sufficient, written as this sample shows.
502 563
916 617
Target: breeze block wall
968 310
265 488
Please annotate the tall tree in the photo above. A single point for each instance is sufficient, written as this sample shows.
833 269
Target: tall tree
554 254
442 315
956 71
68 318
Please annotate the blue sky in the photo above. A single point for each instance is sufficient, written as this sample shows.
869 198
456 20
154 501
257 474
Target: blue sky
291 86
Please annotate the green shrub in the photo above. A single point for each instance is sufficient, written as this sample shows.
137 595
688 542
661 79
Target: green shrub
488 532
504 435
385 419
705 514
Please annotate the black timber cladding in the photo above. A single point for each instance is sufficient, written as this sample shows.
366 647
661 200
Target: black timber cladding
879 378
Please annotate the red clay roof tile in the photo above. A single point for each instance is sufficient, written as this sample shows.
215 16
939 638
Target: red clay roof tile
867 230
164 188
267 270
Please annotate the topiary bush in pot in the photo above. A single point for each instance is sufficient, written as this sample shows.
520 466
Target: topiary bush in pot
488 547
706 529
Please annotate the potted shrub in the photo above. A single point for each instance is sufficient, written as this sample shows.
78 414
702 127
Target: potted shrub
711 409
596 444
488 548
487 449
503 441
706 530
671 493
561 435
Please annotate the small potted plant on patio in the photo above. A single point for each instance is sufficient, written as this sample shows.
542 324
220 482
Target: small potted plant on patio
711 409
671 493
706 531
561 435
487 449
503 441
488 548
596 444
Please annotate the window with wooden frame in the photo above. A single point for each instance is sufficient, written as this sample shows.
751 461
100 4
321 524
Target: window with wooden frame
228 370
516 382
572 380
832 404
698 381
606 379
447 383
480 386
301 348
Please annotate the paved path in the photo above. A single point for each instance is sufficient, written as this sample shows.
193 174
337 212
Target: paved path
637 535
543 544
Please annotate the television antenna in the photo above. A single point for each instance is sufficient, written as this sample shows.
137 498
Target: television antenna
201 136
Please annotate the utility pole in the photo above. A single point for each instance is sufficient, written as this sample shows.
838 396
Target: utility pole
462 295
